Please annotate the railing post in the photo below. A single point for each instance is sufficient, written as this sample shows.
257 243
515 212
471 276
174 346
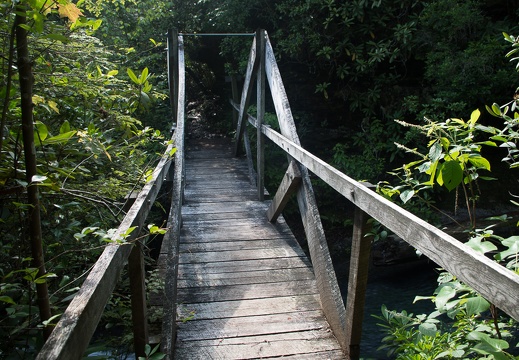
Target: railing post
138 299
260 105
236 99
357 282
173 71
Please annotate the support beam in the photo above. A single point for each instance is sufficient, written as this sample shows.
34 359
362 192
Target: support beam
138 299
260 109
288 187
357 282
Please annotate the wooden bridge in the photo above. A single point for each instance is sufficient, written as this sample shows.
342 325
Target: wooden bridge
237 284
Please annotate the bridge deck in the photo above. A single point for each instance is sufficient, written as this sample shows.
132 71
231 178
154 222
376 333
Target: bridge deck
246 289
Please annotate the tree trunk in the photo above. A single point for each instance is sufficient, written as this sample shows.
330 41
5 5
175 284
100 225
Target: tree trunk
26 80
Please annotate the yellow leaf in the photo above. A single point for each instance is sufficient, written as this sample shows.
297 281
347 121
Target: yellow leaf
53 106
37 99
69 11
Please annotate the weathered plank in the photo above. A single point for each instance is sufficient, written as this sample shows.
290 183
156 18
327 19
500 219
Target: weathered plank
251 325
289 185
250 265
307 343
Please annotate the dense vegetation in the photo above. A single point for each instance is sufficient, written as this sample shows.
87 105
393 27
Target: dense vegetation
83 84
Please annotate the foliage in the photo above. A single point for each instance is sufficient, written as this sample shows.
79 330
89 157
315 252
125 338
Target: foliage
92 151
464 325
453 160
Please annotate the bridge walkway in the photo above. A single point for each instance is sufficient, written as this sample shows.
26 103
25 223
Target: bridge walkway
245 287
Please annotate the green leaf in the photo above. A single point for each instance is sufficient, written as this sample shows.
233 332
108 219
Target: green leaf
428 329
474 117
512 243
487 345
59 139
40 132
435 152
480 245
446 293
38 178
7 299
451 175
479 162
476 305
144 76
406 195
65 127
132 76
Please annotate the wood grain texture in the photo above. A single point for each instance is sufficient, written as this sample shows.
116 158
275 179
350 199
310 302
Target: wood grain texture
245 287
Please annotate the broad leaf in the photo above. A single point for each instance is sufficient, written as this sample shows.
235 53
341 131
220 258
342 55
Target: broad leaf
476 305
40 132
59 139
474 117
513 248
406 195
446 293
480 245
451 175
479 162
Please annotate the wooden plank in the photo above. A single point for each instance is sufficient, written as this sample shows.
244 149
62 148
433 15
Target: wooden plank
238 255
237 245
311 343
493 281
245 277
215 233
138 299
357 281
251 325
260 112
245 97
243 292
242 266
223 208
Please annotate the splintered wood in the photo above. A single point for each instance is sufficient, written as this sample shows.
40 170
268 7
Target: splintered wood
245 288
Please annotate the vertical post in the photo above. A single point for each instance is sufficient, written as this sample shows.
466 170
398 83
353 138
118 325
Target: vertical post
260 150
173 71
236 99
138 299
357 282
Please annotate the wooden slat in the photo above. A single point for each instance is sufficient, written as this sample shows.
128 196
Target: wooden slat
289 185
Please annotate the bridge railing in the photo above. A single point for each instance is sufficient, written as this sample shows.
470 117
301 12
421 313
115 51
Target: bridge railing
73 332
493 281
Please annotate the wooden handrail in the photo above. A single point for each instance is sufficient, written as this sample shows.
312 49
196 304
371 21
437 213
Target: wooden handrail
170 243
72 334
493 281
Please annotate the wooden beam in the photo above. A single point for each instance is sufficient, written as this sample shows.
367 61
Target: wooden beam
173 70
139 306
331 299
172 238
260 109
289 185
358 281
245 97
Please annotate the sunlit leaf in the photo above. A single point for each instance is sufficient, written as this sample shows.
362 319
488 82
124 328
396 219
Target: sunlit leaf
132 76
70 11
